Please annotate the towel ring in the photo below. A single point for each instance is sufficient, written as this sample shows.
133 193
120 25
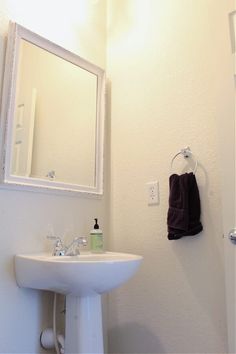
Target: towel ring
186 152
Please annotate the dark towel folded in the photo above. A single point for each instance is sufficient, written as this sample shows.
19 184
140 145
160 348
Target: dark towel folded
183 217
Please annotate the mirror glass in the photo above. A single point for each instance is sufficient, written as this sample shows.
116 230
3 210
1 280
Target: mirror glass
54 137
55 118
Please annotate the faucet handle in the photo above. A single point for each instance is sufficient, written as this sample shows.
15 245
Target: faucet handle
58 240
81 241
58 246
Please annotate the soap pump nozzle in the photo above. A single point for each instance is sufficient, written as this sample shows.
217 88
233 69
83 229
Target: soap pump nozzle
96 226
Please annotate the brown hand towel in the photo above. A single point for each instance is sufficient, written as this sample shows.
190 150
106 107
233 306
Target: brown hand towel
183 217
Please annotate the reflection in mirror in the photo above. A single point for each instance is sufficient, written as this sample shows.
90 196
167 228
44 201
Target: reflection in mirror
54 117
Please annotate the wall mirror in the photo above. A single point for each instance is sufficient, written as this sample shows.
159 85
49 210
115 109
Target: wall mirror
52 117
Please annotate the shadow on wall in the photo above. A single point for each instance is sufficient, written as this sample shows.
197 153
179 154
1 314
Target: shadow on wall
128 339
202 262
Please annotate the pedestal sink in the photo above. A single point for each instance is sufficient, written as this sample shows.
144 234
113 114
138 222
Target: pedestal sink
82 279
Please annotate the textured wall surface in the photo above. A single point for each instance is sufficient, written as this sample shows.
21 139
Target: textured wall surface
25 217
169 63
169 67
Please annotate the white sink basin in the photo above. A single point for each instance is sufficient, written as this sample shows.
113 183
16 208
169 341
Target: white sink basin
83 275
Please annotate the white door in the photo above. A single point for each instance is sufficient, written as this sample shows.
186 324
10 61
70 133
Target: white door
228 178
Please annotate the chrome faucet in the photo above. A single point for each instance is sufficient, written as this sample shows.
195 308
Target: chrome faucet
62 250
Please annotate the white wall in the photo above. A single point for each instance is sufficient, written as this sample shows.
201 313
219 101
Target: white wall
170 67
24 217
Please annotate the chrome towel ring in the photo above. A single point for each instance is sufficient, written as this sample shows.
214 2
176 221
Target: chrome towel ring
186 153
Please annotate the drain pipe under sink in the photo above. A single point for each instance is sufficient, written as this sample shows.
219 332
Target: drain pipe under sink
49 338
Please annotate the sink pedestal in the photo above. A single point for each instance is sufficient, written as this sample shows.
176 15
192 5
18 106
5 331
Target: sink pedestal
83 325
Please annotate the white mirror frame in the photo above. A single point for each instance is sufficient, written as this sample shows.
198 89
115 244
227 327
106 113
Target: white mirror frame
16 33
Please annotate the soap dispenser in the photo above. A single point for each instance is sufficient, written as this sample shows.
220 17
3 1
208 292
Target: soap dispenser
96 239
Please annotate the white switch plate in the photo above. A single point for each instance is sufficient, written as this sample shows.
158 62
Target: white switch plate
152 193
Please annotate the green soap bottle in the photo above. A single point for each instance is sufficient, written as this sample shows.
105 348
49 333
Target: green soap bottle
96 239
